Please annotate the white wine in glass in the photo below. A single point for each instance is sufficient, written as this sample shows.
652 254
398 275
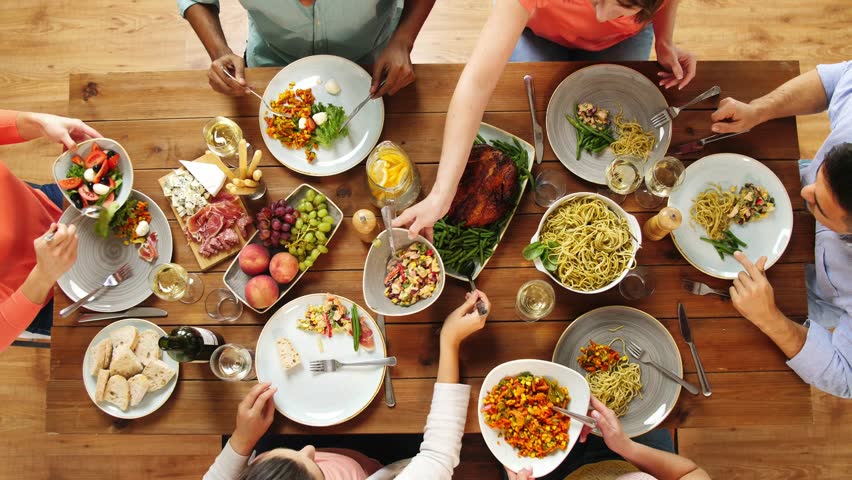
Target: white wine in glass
535 300
223 136
171 282
661 179
624 174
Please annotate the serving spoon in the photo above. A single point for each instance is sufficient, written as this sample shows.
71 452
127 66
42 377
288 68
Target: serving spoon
387 218
92 212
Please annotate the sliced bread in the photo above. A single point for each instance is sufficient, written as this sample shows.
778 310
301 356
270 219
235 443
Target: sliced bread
101 356
287 354
124 363
139 385
118 392
125 337
148 347
100 387
159 373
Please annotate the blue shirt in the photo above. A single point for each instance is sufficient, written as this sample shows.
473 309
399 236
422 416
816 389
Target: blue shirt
282 31
825 361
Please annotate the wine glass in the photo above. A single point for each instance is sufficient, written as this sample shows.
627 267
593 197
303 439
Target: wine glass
171 282
233 363
623 177
550 186
222 136
535 300
223 305
665 175
637 284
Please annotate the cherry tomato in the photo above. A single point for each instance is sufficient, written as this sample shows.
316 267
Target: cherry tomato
87 194
96 148
77 159
95 158
70 183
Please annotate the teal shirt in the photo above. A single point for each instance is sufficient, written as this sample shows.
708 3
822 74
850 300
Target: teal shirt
282 31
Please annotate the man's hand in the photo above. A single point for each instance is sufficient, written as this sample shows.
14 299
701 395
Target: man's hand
254 416
67 131
734 116
751 294
394 66
465 320
679 65
220 82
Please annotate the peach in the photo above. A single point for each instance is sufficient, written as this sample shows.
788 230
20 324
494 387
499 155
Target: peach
284 267
254 259
261 292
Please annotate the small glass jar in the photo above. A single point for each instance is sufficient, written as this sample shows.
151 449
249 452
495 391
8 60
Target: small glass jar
392 177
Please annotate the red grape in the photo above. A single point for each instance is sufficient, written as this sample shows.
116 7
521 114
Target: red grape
276 225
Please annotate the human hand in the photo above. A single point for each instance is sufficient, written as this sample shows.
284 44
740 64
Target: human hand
394 66
465 320
67 131
420 218
752 294
55 256
254 416
220 82
610 427
679 65
523 474
734 116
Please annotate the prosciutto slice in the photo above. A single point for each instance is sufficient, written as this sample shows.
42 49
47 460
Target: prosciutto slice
213 226
148 250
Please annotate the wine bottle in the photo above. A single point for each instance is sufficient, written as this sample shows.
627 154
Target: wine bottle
191 344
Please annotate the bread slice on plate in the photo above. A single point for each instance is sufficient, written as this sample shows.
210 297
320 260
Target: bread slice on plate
118 392
139 385
287 354
159 373
124 363
148 347
101 356
124 337
100 388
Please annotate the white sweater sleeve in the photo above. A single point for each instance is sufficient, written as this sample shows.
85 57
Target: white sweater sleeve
227 466
442 438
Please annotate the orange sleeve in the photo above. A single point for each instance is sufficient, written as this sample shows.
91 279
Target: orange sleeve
16 313
9 127
529 5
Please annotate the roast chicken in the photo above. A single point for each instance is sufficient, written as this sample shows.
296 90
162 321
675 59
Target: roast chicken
487 188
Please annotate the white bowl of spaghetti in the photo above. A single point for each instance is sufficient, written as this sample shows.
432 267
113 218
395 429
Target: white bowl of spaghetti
587 242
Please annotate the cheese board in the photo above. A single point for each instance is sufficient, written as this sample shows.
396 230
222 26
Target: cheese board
215 226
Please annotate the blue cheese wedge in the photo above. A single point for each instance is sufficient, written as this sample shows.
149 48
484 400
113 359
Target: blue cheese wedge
208 175
185 192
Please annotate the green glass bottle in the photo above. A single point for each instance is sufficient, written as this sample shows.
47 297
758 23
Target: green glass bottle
191 344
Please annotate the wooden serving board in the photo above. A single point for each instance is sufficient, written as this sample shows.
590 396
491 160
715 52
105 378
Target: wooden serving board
205 263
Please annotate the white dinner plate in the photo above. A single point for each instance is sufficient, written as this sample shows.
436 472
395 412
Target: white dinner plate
768 236
152 400
98 257
578 391
364 130
318 399
612 87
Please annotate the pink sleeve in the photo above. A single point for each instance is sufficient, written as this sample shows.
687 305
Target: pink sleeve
16 313
9 127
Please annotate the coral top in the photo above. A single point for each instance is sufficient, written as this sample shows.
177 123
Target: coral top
25 213
573 24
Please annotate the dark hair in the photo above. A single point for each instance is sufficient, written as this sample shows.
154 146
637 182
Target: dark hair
276 468
838 174
648 8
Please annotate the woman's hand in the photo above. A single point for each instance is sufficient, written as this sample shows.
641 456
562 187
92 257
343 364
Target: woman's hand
420 218
523 474
221 82
679 65
54 257
254 416
465 320
394 65
67 131
610 427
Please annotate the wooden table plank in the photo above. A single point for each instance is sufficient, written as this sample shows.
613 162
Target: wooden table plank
186 94
201 407
788 281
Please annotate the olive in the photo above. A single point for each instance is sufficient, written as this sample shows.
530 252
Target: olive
110 153
90 185
104 180
76 200
97 167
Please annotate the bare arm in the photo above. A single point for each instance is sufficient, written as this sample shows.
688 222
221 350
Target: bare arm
664 23
663 465
394 63
205 22
414 14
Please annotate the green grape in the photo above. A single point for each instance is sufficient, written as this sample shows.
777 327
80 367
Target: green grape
309 263
314 254
322 248
309 207
322 213
311 195
313 222
300 252
292 251
321 236
299 224
302 266
329 220
310 246
324 227
319 199
312 215
322 206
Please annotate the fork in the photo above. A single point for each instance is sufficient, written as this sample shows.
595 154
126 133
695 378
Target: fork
637 352
273 112
670 113
123 273
323 366
698 288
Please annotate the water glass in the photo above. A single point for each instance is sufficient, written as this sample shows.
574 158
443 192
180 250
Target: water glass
535 300
637 284
223 305
550 186
233 363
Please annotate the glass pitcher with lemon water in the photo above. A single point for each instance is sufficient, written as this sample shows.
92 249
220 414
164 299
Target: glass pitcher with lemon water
392 177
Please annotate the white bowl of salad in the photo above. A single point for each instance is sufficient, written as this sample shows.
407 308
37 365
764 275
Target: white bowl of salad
98 173
413 285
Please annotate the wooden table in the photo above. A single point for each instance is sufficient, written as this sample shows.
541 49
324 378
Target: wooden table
158 117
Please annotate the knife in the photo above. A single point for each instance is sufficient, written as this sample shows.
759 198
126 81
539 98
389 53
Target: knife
687 336
692 147
139 312
538 135
390 399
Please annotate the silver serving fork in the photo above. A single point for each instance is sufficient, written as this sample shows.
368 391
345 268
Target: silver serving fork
323 366
670 113
123 273
698 288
